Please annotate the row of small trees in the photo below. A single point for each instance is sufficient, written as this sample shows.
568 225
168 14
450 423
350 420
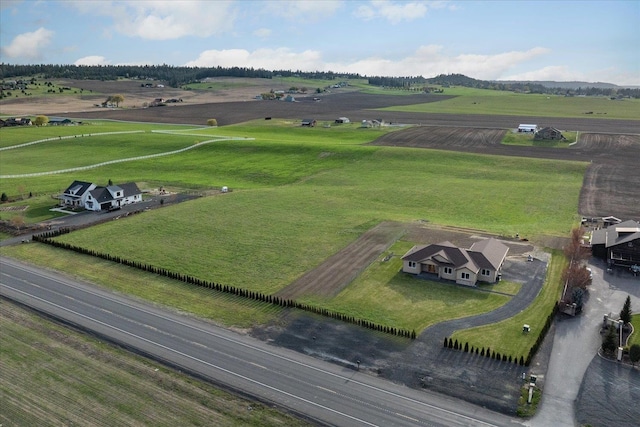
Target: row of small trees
450 343
47 238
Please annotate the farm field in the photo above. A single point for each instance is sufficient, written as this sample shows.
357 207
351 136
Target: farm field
302 195
44 366
479 101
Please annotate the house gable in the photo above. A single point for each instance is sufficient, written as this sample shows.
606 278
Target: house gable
483 261
95 198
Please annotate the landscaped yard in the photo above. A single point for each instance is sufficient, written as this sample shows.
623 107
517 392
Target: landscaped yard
507 337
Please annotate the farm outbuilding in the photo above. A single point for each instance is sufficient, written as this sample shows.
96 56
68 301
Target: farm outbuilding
549 133
343 120
528 128
309 122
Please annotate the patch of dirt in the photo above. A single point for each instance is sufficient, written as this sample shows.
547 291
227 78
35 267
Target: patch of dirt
443 137
339 270
135 96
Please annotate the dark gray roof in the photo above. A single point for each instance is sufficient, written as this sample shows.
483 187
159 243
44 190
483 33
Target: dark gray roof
77 188
487 254
130 189
617 234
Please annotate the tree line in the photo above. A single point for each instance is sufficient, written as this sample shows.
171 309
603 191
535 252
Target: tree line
525 87
48 238
173 76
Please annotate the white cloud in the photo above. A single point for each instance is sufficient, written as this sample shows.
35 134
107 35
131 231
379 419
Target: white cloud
306 10
262 32
431 60
92 60
164 20
394 12
269 59
553 72
28 45
562 73
427 61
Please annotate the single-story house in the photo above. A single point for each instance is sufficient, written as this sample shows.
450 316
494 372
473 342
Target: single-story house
481 262
309 122
618 244
89 196
547 133
59 122
343 120
528 128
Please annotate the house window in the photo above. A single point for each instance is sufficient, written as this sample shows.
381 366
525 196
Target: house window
464 276
412 264
486 272
448 270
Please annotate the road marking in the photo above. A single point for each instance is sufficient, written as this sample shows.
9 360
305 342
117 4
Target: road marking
255 348
193 358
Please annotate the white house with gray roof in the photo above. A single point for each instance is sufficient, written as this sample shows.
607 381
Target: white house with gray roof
95 198
482 262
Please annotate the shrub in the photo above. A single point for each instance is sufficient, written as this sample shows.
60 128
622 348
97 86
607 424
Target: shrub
212 122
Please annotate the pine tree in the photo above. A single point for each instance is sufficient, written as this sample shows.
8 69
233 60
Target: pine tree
625 314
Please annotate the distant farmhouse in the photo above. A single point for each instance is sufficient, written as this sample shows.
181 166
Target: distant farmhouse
618 244
89 196
549 133
16 121
481 262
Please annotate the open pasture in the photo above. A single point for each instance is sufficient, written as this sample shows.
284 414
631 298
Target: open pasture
306 205
493 102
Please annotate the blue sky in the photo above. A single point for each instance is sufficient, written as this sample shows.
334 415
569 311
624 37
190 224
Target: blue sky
594 41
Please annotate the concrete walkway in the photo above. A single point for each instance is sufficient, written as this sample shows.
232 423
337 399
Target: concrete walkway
575 344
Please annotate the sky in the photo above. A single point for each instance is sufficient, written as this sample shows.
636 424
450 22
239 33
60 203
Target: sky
592 41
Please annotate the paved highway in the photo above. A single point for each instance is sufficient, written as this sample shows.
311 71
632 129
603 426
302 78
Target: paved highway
325 393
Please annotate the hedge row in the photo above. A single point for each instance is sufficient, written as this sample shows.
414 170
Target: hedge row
47 238
455 345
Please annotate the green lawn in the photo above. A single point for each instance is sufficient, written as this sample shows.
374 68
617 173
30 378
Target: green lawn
493 102
382 293
635 338
506 337
217 306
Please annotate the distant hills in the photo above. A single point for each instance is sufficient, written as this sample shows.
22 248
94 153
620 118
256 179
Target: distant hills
570 85
177 76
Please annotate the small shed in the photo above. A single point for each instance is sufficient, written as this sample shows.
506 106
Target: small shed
528 128
549 133
343 120
309 122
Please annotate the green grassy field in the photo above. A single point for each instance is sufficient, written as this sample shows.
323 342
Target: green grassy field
493 102
53 376
384 294
299 196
